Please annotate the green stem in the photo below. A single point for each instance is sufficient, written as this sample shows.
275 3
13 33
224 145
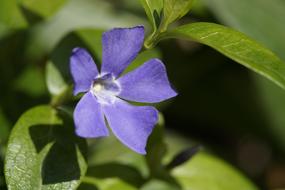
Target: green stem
89 180
64 96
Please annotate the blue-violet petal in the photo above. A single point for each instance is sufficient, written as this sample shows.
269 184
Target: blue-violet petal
148 83
89 119
131 124
83 70
120 48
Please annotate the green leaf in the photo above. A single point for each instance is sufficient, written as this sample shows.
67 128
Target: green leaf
105 184
273 102
174 10
143 57
55 82
153 10
31 82
236 46
42 7
158 185
4 127
76 15
156 149
93 39
43 152
246 16
206 172
10 15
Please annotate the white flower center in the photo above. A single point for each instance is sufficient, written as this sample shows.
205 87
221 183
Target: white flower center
97 87
105 89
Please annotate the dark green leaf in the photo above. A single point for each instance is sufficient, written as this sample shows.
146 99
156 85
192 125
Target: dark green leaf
156 149
43 152
153 11
144 57
4 127
237 46
273 102
183 157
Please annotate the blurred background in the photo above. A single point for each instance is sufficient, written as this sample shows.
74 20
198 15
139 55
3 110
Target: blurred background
238 115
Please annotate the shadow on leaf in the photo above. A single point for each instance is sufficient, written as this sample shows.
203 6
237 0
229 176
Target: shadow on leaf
30 16
124 172
59 146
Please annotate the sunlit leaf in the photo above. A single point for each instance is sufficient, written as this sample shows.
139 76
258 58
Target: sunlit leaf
205 172
43 152
54 80
260 19
106 184
158 185
174 10
42 7
237 46
10 15
75 15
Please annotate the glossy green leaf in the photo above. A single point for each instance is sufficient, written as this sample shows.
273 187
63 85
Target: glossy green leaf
174 10
260 19
206 172
43 152
55 82
153 11
236 46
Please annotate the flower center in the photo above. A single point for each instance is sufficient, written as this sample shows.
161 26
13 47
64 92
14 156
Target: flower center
105 89
97 87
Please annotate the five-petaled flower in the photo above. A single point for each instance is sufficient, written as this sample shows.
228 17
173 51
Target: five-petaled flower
107 91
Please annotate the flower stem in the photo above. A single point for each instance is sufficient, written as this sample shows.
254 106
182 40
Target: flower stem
61 98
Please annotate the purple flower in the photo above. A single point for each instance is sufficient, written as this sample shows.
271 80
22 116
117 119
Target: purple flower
107 91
